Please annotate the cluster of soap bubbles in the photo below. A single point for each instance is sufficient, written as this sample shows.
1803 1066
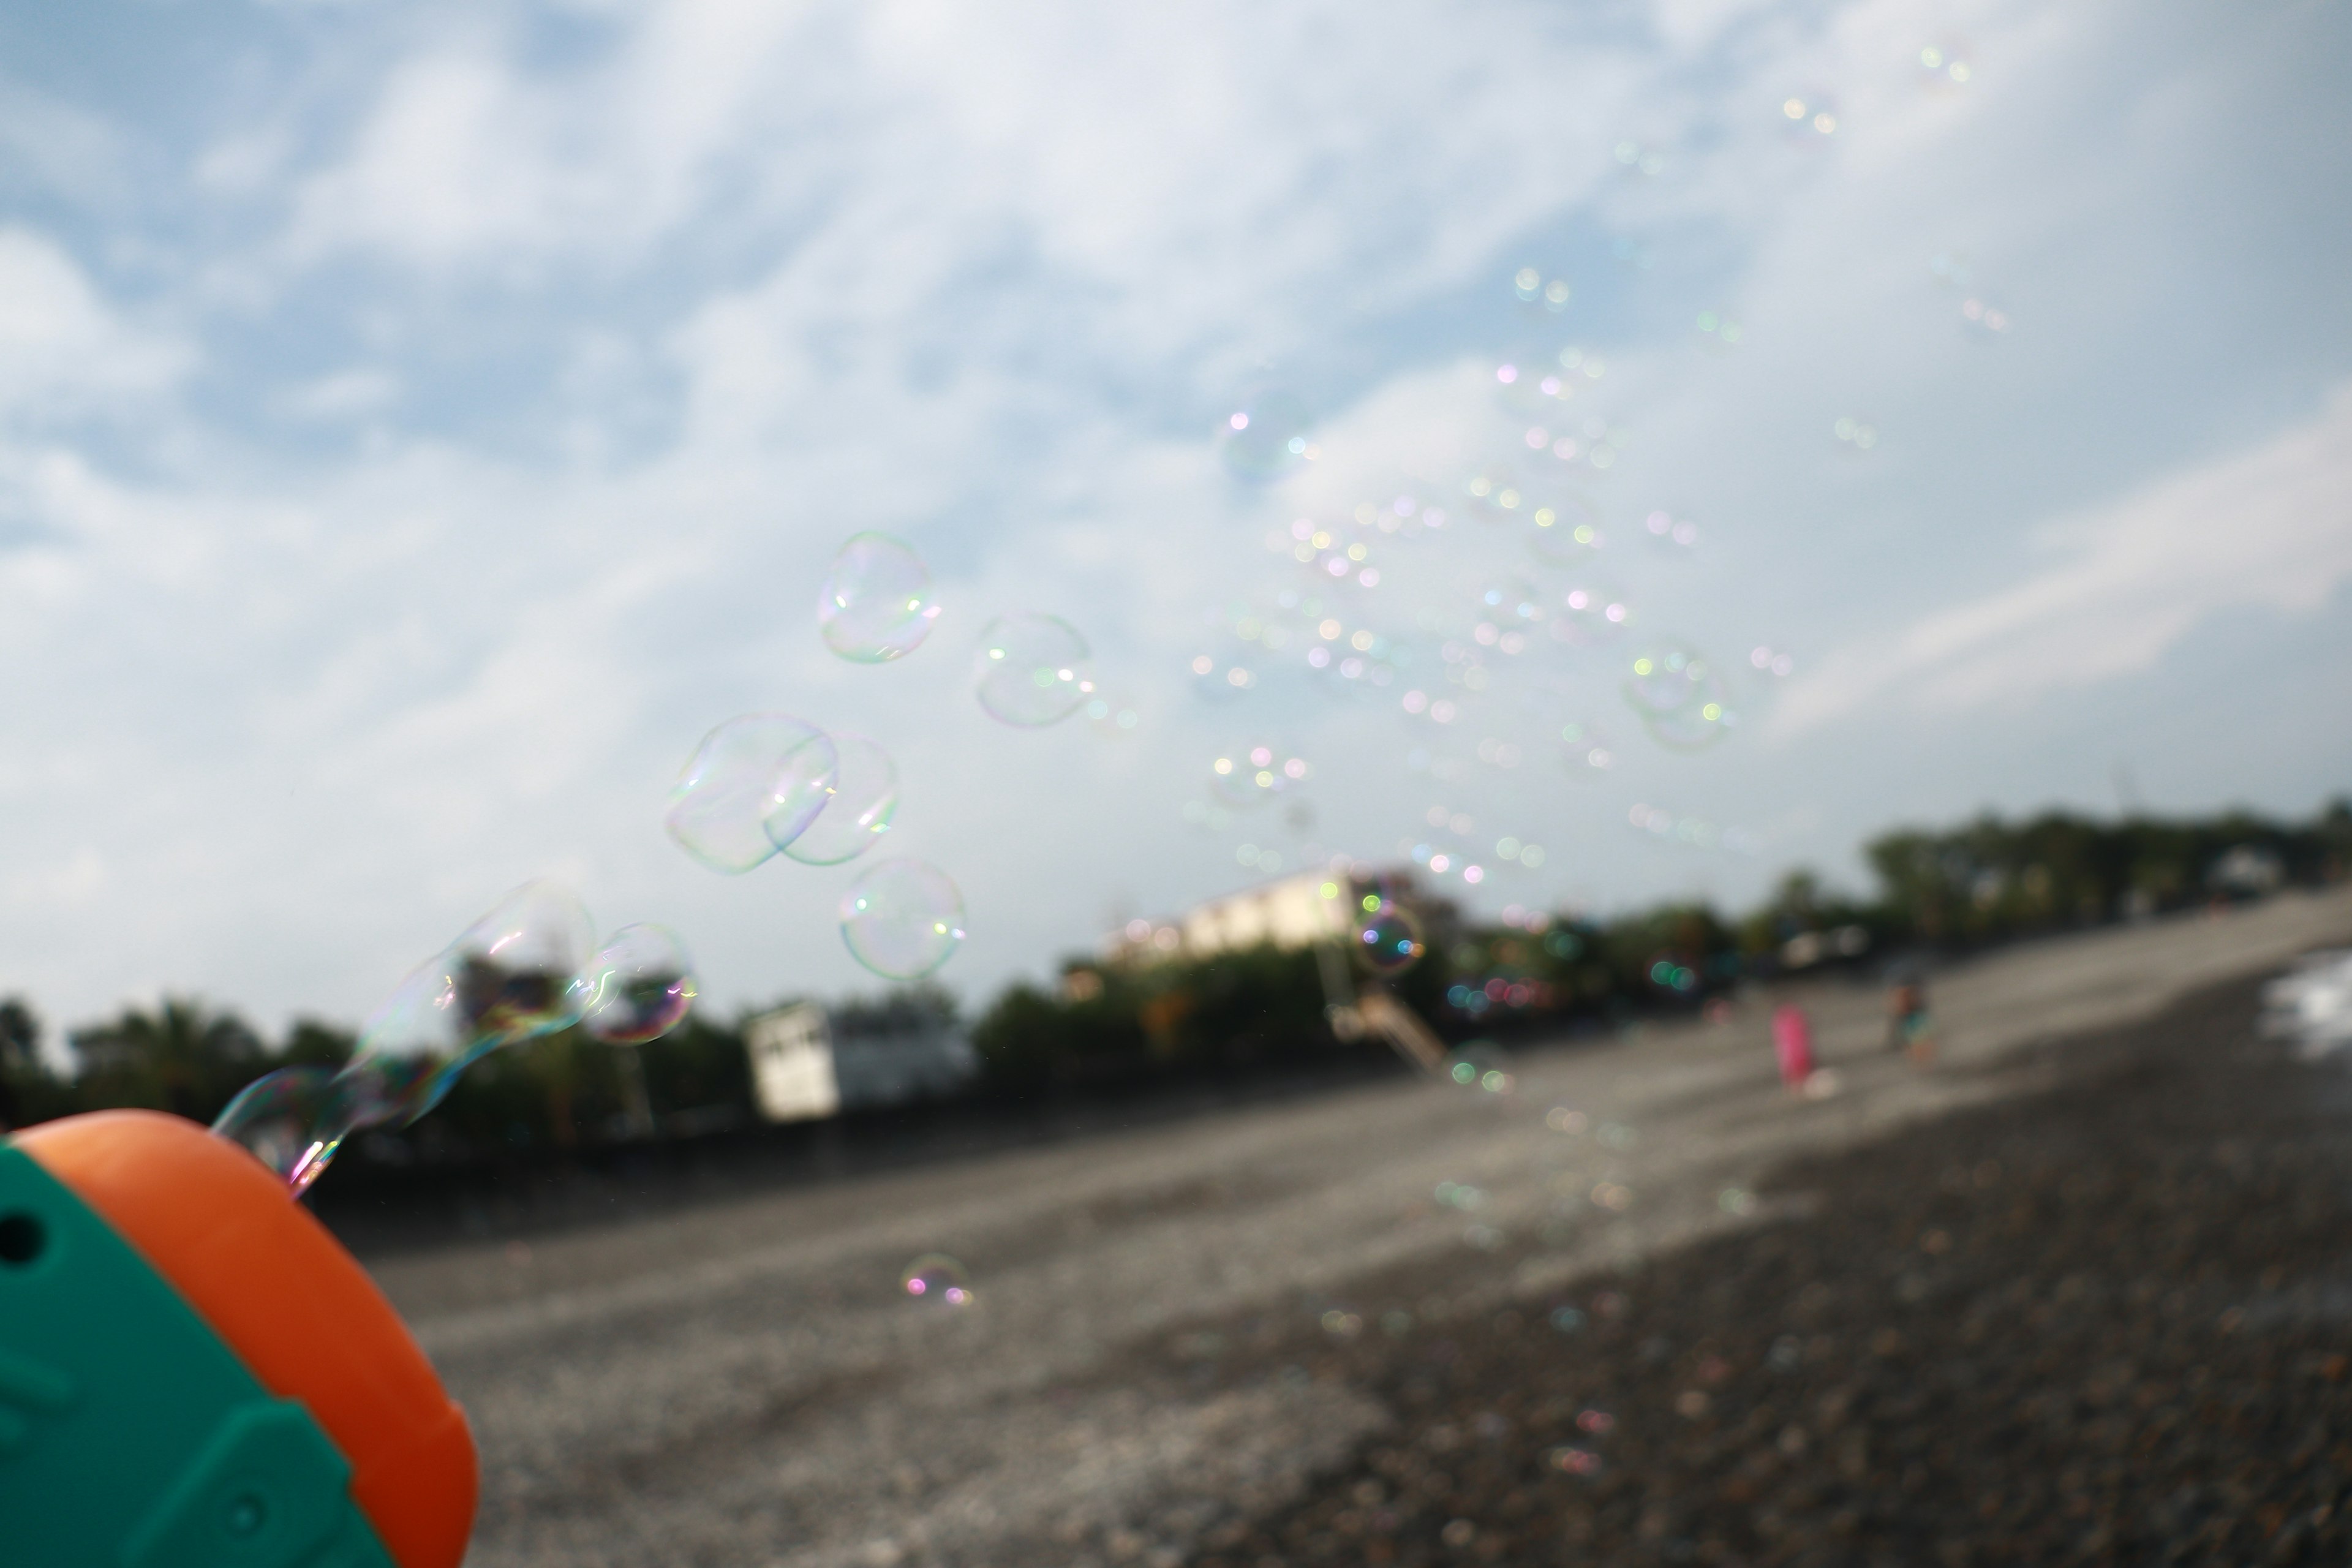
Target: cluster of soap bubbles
761 785
764 784
530 966
1490 595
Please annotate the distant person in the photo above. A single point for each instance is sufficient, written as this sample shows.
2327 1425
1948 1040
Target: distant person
1792 1042
1909 1026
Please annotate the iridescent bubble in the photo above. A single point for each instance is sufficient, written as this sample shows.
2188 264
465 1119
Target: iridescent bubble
1223 669
1389 937
1677 534
1983 318
754 782
1266 436
1594 609
875 604
1533 288
640 986
1662 677
1695 727
1946 64
1032 670
857 806
1113 716
289 1120
902 918
517 971
1480 1065
1716 333
937 1280
1680 695
1495 493
1808 117
1565 530
1532 385
1585 749
1855 434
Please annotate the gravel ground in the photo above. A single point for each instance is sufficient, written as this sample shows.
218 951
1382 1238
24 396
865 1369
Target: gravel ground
1147 1375
2108 1322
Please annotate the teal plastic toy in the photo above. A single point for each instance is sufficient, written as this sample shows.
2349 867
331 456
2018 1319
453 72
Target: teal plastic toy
164 1404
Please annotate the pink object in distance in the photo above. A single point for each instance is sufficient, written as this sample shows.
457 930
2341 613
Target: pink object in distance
1792 1042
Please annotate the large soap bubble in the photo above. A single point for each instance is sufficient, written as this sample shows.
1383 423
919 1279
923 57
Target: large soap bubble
517 971
877 604
902 918
291 1119
753 783
1032 670
640 986
858 809
522 969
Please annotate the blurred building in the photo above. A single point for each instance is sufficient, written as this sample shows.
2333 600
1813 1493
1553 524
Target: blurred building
809 1063
1288 913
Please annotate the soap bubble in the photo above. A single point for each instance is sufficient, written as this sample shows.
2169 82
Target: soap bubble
1495 493
1032 670
1808 117
1695 725
1481 1065
1595 610
875 604
1680 695
1566 530
1584 750
1532 385
1855 434
1662 677
937 1280
754 782
1266 436
1389 937
857 806
1112 716
1946 63
640 986
516 973
288 1121
902 918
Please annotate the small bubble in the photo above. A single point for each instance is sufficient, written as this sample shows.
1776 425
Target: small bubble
937 1280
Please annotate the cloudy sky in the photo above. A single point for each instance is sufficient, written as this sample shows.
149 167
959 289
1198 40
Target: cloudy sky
419 424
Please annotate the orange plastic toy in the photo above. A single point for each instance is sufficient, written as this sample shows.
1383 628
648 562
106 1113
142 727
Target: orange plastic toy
293 1306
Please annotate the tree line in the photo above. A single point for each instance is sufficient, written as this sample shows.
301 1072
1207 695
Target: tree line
1103 1025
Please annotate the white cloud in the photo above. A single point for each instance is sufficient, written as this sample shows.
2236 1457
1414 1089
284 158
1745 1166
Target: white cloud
62 345
733 279
2269 529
